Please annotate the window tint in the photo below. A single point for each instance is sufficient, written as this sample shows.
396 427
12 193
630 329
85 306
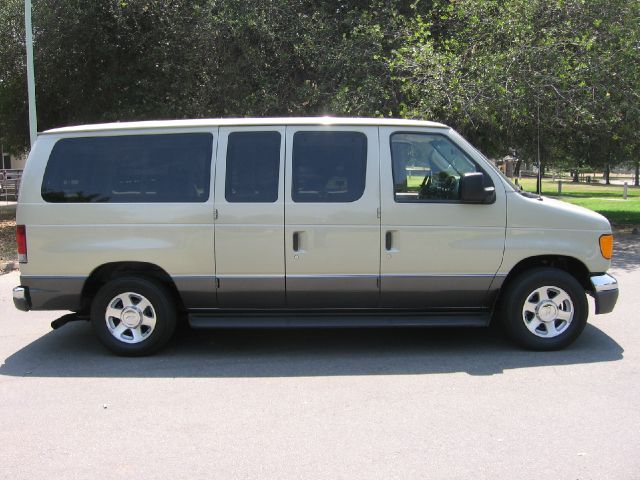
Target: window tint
129 168
328 166
427 167
253 167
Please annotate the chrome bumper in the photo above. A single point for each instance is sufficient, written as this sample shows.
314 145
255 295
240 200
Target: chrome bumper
21 298
605 292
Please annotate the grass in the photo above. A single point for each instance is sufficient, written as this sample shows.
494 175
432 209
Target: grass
605 199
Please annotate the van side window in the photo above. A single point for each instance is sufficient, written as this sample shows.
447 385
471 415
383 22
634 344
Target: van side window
328 166
129 169
253 167
427 167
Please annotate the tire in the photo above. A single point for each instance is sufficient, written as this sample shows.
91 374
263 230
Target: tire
544 309
133 316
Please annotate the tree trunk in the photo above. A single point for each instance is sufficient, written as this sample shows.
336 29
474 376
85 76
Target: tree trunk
637 179
576 175
607 173
516 170
539 179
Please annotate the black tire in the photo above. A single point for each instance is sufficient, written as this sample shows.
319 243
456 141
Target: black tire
519 318
159 308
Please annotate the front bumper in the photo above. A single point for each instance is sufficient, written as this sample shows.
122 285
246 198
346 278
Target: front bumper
605 292
21 298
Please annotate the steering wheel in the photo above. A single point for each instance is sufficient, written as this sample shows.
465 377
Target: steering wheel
425 187
450 186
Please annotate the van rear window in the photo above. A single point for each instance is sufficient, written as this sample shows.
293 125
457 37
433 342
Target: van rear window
129 169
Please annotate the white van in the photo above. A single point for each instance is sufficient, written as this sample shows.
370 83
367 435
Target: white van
297 222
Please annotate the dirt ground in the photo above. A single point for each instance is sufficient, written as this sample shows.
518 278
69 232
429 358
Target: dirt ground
8 240
7 237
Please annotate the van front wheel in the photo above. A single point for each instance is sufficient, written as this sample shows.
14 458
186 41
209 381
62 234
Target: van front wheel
133 316
544 309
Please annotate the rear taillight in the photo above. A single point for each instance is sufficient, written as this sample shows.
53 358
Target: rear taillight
21 240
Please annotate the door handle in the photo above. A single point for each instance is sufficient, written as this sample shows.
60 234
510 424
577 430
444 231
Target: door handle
388 241
296 241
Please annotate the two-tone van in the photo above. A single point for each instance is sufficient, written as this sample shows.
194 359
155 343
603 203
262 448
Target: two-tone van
298 222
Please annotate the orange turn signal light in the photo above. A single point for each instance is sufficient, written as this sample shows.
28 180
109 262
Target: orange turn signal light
606 246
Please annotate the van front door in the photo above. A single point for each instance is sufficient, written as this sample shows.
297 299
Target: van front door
332 230
438 253
249 233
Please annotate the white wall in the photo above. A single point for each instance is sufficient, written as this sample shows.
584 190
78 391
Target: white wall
18 162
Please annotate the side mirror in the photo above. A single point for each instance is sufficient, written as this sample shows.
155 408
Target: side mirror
472 189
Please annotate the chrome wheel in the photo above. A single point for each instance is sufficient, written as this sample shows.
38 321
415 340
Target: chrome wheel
548 311
130 317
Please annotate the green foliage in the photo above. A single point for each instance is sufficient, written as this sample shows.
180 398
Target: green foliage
498 69
131 60
482 66
13 76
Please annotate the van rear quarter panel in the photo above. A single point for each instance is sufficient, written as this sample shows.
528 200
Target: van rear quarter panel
72 239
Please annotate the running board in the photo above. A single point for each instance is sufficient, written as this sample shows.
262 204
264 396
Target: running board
202 320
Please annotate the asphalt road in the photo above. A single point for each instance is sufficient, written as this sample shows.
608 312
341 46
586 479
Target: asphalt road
355 404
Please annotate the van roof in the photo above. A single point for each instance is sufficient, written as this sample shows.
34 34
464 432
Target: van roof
230 122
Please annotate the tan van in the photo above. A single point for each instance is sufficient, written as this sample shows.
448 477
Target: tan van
297 222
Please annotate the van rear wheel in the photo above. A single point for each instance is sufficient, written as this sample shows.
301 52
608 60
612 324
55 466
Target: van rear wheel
544 309
133 316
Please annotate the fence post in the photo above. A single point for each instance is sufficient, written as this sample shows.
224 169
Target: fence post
625 190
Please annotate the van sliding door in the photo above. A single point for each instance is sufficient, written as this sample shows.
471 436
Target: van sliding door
332 230
249 234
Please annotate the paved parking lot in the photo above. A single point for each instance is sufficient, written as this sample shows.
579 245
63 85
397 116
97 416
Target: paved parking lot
351 404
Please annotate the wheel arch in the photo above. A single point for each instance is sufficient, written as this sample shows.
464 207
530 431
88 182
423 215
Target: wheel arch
109 271
571 265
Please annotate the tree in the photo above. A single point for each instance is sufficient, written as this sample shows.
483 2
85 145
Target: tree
484 66
114 61
498 62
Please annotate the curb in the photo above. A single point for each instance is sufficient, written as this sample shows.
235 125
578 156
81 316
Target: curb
7 267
